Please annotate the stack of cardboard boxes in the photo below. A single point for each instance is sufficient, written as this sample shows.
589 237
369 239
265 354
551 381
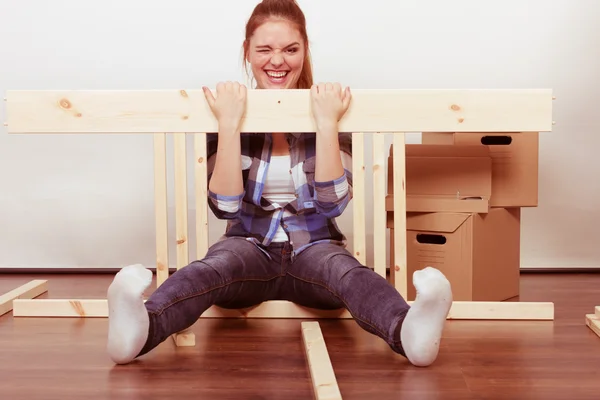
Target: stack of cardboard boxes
464 194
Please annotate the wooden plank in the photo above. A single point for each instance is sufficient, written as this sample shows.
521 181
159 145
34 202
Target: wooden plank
29 290
321 371
201 193
181 203
186 337
460 310
160 208
359 221
399 273
501 310
45 308
593 322
406 110
379 212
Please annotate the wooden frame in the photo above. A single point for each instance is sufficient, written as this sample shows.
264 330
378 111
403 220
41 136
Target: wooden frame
373 113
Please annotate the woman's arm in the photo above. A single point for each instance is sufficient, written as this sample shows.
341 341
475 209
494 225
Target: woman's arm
328 160
333 162
226 179
226 188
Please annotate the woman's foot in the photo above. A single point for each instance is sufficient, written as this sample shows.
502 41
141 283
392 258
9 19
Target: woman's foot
422 328
127 316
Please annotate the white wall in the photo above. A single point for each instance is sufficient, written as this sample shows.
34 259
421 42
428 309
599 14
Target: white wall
99 213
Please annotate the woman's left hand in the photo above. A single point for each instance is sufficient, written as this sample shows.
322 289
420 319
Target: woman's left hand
329 103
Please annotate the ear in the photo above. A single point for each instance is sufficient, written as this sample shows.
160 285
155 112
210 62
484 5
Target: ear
246 51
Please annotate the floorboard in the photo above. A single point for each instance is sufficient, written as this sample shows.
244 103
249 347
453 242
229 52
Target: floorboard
52 358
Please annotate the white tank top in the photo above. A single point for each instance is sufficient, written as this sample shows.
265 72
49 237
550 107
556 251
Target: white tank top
279 188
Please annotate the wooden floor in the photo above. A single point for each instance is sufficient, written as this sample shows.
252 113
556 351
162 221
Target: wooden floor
263 359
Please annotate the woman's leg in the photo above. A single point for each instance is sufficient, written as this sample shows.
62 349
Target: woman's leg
328 276
234 274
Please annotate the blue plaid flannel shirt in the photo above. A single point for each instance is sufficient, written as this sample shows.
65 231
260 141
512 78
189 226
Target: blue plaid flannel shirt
307 220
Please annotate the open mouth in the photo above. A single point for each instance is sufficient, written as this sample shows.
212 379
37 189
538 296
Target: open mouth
277 76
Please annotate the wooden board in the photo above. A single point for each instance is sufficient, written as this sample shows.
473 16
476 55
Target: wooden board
170 111
593 321
469 310
321 371
29 290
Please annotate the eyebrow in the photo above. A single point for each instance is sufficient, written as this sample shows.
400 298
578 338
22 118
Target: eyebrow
268 47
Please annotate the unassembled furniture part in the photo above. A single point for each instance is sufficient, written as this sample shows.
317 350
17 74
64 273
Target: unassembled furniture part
372 113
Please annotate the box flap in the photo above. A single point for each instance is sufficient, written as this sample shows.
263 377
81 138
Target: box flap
515 163
448 178
448 171
435 222
445 178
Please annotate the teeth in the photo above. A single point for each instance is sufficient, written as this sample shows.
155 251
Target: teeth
277 74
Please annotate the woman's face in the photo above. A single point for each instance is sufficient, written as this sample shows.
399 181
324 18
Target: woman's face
276 54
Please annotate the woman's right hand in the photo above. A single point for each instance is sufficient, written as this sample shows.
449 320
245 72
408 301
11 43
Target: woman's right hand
229 106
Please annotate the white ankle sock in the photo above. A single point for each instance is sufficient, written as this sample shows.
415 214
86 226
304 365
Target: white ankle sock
422 328
128 320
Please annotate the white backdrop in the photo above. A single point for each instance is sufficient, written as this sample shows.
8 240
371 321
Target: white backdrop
65 203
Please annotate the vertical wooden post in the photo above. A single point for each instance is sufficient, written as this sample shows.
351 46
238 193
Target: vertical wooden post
181 204
400 272
379 212
186 337
201 183
358 180
161 207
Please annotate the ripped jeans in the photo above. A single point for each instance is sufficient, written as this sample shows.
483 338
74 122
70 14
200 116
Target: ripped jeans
235 273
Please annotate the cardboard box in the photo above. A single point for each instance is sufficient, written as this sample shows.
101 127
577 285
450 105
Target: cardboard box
478 253
445 178
515 159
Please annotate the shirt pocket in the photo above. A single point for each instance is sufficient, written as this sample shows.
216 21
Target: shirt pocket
308 190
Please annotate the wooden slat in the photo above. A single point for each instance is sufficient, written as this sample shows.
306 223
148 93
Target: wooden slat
593 322
379 212
501 310
407 110
160 208
460 310
186 337
399 271
359 220
29 290
181 204
201 170
321 371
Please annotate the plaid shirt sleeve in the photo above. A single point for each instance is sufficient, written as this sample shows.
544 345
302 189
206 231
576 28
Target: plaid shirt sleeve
223 207
332 197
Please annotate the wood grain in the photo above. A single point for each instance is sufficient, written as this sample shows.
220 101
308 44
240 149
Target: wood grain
407 110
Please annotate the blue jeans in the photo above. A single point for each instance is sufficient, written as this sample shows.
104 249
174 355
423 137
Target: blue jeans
235 273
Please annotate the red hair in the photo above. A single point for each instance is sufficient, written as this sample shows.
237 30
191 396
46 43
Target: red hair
287 10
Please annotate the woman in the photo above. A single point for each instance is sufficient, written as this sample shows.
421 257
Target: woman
280 199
